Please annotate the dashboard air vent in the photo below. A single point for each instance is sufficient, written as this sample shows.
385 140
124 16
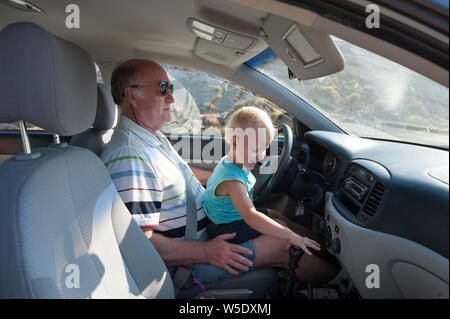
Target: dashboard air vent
374 199
344 177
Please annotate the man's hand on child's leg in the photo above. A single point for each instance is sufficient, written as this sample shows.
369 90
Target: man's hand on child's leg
220 253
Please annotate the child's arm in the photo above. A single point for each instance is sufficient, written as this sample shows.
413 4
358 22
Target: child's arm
201 174
262 223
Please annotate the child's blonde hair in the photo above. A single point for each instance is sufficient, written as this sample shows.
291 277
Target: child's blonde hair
249 117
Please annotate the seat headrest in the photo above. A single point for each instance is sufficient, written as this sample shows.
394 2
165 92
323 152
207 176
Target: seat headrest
106 108
45 80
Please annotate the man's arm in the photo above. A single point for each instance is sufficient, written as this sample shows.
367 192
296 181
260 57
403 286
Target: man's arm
201 174
216 252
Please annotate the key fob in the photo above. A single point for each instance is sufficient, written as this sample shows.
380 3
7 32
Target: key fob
299 209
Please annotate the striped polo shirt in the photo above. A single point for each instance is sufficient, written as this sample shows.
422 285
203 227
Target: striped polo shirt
144 168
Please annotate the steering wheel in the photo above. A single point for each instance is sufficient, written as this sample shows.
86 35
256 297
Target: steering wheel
268 181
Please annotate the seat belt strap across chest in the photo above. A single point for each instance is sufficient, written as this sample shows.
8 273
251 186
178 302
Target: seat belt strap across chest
182 275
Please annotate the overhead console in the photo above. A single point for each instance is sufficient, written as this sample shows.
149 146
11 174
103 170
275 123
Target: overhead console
361 190
219 45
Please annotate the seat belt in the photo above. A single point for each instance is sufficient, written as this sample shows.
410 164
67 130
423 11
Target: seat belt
182 274
191 208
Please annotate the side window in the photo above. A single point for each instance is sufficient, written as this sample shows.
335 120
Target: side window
203 103
8 149
15 126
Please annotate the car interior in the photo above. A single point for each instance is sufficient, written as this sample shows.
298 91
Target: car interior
358 92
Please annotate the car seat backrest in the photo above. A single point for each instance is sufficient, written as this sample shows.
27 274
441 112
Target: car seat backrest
64 231
96 138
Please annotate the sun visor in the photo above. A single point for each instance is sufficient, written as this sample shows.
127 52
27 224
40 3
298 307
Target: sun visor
308 53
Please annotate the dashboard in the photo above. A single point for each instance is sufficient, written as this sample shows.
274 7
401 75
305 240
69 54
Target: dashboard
386 204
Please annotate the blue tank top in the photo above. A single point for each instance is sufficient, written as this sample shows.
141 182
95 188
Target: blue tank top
220 209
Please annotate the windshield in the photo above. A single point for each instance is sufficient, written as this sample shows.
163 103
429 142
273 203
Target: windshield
372 97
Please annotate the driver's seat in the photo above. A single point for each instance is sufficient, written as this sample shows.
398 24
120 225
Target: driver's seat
254 284
64 231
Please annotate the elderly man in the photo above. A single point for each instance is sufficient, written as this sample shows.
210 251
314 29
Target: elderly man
146 171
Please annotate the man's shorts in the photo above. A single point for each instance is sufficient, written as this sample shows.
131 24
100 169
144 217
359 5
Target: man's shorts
209 273
206 273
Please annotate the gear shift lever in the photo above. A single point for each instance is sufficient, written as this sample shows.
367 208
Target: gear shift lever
294 257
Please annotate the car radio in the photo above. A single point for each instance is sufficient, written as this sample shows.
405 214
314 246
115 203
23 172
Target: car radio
360 193
357 182
357 189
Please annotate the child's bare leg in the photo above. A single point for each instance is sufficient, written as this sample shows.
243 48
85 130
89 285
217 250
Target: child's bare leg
299 229
315 270
272 252
302 231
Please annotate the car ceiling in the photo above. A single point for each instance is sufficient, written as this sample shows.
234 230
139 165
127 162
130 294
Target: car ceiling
116 30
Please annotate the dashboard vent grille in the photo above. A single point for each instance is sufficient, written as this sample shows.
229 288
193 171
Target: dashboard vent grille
344 177
374 199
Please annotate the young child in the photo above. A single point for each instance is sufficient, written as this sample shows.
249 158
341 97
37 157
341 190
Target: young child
228 199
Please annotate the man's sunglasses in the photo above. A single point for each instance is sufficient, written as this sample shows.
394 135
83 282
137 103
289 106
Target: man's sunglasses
164 87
